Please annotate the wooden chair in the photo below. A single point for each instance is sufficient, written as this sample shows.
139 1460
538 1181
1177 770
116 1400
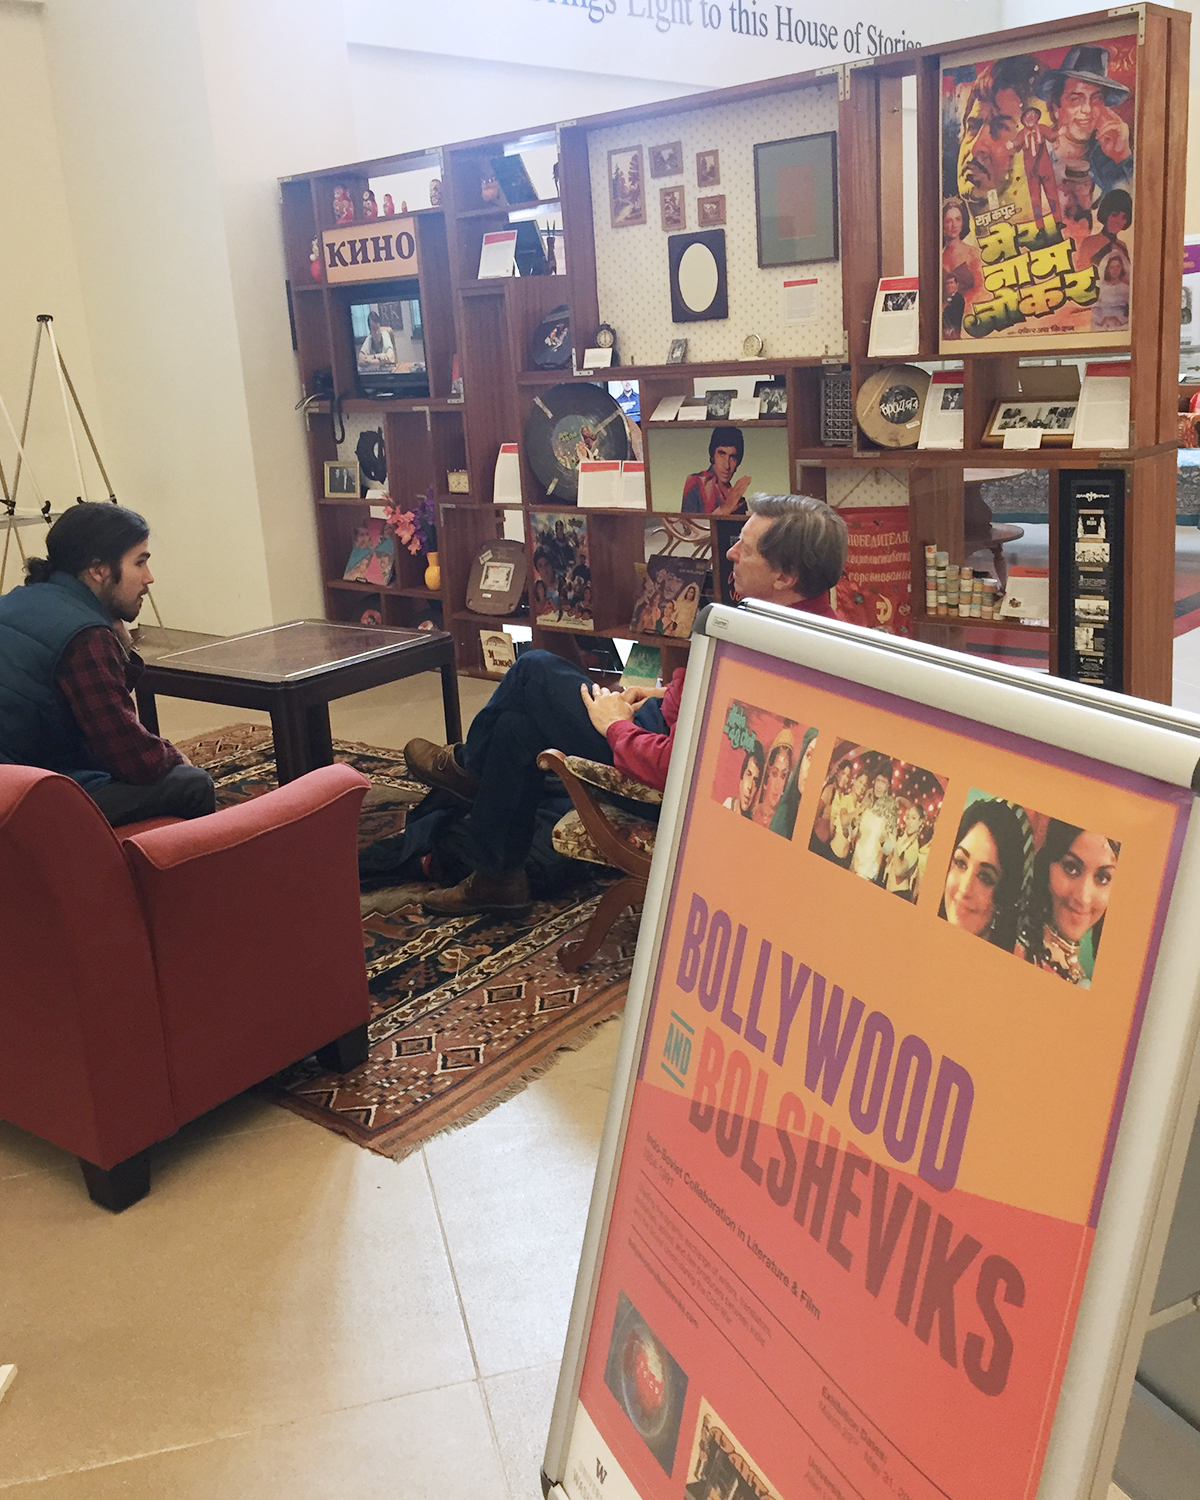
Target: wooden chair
602 829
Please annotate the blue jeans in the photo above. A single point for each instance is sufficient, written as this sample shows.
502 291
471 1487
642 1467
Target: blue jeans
537 707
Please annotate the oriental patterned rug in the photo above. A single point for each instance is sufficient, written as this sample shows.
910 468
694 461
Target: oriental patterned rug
465 1011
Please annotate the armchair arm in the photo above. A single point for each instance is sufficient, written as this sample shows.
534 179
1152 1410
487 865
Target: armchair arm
609 779
616 850
253 917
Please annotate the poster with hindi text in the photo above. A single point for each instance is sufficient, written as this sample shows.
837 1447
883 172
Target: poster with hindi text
885 1059
1038 199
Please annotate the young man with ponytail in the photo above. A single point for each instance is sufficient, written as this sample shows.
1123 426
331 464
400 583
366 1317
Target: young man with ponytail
68 669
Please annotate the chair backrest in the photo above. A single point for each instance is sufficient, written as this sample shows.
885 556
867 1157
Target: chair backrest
82 1059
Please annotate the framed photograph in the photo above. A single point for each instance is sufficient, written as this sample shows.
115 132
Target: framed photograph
796 201
677 353
1054 419
666 161
670 201
626 188
699 286
710 211
341 479
708 169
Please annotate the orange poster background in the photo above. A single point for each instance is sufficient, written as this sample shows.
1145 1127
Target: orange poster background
831 1382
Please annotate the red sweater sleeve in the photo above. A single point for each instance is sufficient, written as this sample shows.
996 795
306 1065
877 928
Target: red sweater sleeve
642 754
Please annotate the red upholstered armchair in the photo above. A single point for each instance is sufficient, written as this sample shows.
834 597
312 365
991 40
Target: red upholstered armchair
149 974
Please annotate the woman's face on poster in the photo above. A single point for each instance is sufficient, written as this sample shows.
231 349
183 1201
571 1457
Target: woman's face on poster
805 762
912 818
748 784
779 768
975 872
1080 885
860 785
843 778
952 224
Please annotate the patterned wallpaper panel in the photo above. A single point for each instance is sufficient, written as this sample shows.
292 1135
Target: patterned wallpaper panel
631 262
849 488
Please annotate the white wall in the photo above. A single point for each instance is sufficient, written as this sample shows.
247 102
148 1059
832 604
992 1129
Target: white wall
40 275
406 100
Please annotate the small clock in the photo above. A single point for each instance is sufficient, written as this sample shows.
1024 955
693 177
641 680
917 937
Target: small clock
606 338
752 346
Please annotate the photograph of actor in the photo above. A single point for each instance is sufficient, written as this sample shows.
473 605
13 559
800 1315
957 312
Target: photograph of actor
68 669
791 551
748 782
713 491
1090 149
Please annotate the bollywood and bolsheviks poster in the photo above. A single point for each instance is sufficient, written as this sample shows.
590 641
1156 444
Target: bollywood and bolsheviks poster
1038 196
903 969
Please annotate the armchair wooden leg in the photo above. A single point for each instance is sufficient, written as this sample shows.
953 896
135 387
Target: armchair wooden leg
628 892
346 1052
116 1188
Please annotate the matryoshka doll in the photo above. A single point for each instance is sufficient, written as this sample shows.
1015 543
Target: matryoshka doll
343 207
370 207
389 208
314 260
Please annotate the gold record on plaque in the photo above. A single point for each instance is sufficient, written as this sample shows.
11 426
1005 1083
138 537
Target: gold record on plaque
890 404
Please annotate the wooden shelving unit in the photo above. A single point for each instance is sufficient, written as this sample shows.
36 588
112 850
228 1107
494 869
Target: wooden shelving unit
490 323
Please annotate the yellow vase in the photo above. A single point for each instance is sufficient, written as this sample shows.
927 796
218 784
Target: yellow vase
433 573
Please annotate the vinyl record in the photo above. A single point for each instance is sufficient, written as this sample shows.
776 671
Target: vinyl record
567 423
890 404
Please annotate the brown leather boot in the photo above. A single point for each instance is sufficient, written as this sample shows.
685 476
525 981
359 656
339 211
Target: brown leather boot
504 893
435 766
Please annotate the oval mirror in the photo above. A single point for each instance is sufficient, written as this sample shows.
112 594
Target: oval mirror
698 278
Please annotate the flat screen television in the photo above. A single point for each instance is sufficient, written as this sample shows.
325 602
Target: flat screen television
388 344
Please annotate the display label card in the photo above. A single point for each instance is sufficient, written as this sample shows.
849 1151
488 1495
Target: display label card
800 301
497 254
895 325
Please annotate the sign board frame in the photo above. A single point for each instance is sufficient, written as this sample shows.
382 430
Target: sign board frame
1163 1083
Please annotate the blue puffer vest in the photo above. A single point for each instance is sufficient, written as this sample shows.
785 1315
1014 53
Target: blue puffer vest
37 623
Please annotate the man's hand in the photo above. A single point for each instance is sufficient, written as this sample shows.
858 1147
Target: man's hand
736 491
1112 134
638 695
604 708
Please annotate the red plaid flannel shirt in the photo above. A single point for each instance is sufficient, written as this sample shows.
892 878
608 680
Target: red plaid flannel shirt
97 679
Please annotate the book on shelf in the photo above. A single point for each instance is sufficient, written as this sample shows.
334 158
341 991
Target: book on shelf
560 587
670 596
498 254
499 651
643 666
373 556
942 414
1102 418
506 483
895 318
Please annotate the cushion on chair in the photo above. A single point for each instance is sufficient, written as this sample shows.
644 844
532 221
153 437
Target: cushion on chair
571 838
609 779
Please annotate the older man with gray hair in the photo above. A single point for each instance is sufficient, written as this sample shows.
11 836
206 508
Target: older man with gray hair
791 551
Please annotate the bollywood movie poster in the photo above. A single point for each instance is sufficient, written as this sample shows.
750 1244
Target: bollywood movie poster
875 1104
1038 196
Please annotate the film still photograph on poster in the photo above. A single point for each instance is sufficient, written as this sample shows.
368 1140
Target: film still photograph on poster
876 816
1033 885
865 1155
714 491
1038 195
561 587
670 596
763 766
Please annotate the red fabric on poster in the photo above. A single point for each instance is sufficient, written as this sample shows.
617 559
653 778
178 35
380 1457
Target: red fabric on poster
874 590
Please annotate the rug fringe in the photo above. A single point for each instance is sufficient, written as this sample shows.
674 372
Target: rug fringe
510 1090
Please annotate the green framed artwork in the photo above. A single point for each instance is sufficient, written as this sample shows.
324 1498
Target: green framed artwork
795 195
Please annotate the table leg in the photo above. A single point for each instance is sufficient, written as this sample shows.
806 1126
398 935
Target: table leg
289 726
318 735
147 707
450 706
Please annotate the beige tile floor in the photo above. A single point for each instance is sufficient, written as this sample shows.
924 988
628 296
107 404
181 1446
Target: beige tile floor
287 1316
